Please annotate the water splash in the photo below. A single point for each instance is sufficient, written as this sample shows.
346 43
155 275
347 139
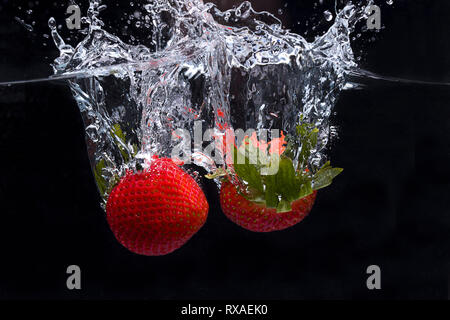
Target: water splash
233 69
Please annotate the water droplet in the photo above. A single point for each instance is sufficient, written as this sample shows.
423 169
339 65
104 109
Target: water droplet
52 23
26 26
280 11
390 2
148 8
328 15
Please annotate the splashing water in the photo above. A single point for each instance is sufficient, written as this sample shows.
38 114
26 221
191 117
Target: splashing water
232 69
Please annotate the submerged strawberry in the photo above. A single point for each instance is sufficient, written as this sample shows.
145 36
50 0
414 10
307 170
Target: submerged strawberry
263 190
156 211
257 217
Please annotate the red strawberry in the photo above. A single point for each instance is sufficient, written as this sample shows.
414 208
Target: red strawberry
156 211
264 190
257 217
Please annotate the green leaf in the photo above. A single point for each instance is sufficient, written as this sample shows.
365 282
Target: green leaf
308 138
117 131
135 149
305 185
98 174
271 195
324 177
105 185
120 137
291 147
248 172
115 179
287 184
284 206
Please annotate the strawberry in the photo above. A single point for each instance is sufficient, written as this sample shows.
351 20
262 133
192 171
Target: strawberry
156 211
262 190
257 217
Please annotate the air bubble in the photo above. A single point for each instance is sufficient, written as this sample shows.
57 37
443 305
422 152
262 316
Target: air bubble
328 15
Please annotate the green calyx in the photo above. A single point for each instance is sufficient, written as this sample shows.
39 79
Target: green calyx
107 180
104 184
121 141
271 179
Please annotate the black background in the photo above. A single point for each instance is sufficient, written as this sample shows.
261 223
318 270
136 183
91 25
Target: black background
389 208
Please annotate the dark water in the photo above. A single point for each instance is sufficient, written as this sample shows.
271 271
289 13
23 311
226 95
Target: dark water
390 207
